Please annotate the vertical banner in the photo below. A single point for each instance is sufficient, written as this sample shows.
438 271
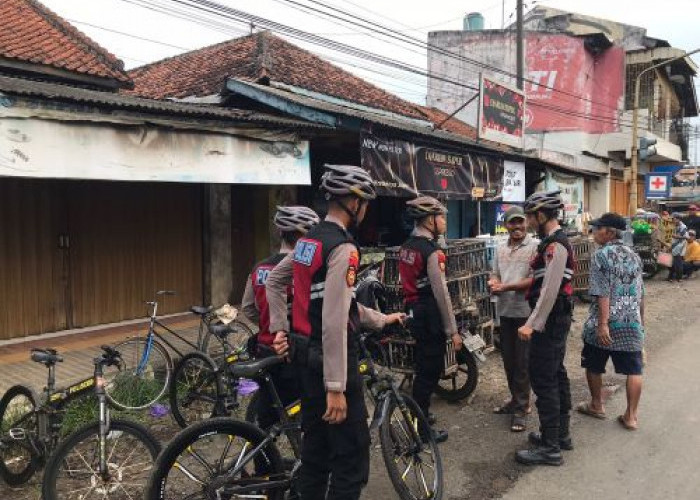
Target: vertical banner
501 113
571 192
513 181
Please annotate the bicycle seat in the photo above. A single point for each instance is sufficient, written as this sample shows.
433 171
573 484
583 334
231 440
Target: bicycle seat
254 369
48 357
201 310
220 331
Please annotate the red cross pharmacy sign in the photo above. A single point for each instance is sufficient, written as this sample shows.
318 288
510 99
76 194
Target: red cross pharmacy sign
657 186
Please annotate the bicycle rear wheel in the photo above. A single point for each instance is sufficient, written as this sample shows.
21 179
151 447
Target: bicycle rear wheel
196 461
236 340
18 460
414 465
194 394
73 472
142 376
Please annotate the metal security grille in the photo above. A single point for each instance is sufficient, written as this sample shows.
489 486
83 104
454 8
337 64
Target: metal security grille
646 87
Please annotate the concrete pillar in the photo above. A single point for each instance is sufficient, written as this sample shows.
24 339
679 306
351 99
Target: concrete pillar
218 274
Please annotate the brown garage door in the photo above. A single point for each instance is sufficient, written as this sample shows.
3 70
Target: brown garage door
129 240
76 254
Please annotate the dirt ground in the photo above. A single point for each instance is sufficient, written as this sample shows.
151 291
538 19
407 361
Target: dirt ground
478 457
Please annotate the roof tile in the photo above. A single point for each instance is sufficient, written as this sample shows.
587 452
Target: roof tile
32 33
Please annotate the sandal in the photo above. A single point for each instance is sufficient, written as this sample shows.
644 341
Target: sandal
621 420
586 409
518 423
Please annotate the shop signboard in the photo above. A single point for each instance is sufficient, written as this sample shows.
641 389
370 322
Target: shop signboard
657 185
501 113
402 169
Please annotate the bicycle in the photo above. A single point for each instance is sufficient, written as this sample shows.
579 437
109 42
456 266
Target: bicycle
201 388
224 458
143 374
31 433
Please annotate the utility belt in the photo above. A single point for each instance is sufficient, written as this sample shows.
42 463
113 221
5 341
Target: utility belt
302 353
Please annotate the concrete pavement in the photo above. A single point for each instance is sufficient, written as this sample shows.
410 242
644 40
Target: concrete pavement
659 461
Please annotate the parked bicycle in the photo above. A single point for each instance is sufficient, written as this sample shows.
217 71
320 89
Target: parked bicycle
224 458
105 459
146 365
201 388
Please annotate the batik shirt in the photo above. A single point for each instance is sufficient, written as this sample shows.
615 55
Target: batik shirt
616 272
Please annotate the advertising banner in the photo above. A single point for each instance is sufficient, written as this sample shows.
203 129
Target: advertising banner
570 88
501 113
571 192
403 169
513 181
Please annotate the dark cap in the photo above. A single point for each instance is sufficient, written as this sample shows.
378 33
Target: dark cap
514 212
610 219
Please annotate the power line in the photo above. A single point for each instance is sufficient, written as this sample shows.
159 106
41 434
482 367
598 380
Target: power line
244 17
129 35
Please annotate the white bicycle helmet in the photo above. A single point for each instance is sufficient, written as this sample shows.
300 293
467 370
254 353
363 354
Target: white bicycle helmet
343 180
295 219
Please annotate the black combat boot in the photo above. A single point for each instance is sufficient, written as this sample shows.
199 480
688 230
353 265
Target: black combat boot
565 442
546 453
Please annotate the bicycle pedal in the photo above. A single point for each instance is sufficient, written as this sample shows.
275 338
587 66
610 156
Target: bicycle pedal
17 433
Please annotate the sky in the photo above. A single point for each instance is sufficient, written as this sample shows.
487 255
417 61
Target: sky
142 31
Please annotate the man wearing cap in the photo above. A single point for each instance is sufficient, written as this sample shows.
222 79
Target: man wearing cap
509 281
615 325
692 255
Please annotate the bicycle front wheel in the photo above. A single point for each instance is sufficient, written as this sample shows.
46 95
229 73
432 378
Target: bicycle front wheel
142 375
194 393
410 452
199 463
73 472
18 427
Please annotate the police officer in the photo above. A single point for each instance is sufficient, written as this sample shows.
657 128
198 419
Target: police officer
326 321
422 270
547 329
293 222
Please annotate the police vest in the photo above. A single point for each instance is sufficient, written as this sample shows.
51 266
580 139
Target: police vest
311 255
538 265
413 269
258 279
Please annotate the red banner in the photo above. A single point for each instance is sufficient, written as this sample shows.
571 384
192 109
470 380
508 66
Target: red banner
588 87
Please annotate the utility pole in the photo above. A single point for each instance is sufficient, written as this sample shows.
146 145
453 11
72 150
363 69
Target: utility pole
503 14
520 56
635 134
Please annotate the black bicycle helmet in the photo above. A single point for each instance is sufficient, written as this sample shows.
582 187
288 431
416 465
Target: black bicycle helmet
295 219
543 200
343 180
423 206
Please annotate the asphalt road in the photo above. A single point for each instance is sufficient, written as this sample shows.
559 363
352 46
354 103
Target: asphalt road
659 461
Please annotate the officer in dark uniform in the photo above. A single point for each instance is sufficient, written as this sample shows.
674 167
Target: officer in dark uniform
547 328
326 320
293 222
426 299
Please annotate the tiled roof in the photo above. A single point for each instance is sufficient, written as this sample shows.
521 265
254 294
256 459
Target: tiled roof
260 57
29 32
453 125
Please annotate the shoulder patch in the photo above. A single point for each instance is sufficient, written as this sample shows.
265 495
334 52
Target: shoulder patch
442 260
304 252
353 264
